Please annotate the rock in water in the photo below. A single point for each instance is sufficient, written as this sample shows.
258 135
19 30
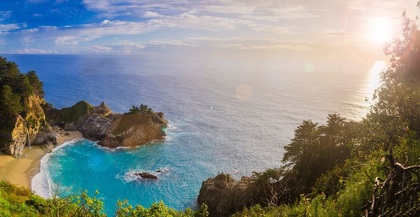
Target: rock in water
146 175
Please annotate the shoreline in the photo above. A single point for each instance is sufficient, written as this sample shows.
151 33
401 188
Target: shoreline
20 171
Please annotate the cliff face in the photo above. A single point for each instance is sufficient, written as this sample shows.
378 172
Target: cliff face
32 124
225 196
18 138
131 130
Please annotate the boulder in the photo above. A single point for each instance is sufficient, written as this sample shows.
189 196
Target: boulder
45 136
70 127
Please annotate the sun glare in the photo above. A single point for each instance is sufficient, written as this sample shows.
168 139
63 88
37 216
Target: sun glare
375 74
380 31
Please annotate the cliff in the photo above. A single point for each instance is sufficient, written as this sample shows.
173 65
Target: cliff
225 196
15 136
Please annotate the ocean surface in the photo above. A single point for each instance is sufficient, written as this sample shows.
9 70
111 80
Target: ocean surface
225 115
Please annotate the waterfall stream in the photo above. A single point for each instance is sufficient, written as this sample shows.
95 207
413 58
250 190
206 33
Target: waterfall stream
27 132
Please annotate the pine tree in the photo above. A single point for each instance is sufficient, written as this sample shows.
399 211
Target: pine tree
9 102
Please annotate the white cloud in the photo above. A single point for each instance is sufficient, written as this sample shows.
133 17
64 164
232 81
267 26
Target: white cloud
5 28
150 14
34 51
101 49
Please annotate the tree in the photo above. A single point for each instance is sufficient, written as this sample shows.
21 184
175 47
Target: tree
317 149
36 84
8 69
398 97
134 110
9 102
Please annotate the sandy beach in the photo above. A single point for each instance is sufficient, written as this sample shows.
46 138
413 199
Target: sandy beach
20 171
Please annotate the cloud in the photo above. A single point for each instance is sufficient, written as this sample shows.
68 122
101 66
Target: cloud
150 14
34 51
245 43
233 8
6 28
101 49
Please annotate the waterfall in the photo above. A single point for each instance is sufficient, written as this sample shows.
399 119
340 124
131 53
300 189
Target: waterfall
27 132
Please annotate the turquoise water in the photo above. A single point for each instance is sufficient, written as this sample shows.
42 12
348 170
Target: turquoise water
232 116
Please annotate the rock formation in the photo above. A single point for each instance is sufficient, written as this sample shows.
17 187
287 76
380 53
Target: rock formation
131 130
28 127
110 129
225 196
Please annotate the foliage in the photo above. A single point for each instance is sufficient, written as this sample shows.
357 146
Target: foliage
15 89
143 110
317 149
9 102
19 201
36 84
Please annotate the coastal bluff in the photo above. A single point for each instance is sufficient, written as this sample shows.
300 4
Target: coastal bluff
112 130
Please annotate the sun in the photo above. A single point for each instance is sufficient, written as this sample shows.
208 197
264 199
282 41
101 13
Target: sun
380 31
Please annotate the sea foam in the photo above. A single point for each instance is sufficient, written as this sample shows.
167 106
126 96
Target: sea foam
41 183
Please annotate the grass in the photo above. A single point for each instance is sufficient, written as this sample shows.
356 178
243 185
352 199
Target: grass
127 121
74 113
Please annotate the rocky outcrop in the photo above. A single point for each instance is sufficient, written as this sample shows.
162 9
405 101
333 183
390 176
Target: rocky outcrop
131 130
46 135
70 127
102 109
94 127
225 196
19 137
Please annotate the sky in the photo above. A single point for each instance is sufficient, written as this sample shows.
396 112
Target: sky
319 29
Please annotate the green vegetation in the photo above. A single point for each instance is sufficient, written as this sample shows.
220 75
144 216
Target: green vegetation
74 113
67 115
143 110
127 121
18 201
15 89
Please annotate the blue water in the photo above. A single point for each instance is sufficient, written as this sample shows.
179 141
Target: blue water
212 129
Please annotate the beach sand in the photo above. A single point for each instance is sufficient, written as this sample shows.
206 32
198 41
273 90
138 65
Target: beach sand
20 171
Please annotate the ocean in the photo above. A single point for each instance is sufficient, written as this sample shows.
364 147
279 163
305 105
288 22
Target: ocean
225 115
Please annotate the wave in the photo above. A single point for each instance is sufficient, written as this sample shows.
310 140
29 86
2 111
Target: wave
41 183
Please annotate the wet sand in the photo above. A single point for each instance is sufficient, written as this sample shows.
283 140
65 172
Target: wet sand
20 171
